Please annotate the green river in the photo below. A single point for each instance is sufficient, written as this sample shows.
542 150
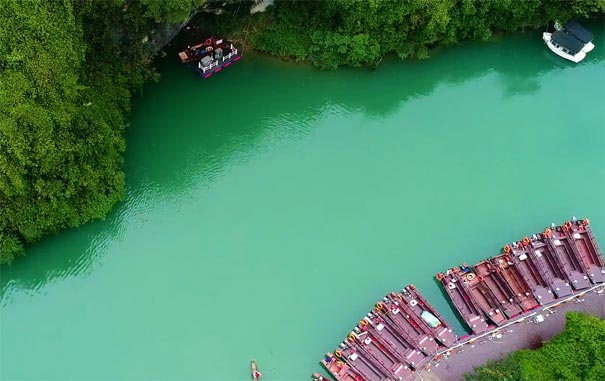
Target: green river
269 207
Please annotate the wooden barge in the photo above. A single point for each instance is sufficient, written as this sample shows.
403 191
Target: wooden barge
586 249
514 282
534 271
559 247
468 310
319 377
430 319
538 254
396 314
540 282
391 339
403 332
499 291
478 293
396 338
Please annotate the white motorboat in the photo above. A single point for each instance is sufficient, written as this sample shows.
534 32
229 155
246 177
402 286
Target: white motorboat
565 45
576 29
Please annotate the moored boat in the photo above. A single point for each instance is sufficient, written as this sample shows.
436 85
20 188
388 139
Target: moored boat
339 370
564 45
211 56
319 377
578 31
254 372
468 310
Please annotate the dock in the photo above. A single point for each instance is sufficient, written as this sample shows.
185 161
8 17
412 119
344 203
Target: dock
403 337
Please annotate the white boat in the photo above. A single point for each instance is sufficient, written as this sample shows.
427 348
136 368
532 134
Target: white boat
578 31
565 45
588 47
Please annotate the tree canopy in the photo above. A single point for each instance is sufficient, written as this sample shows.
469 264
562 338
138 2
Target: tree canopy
67 68
331 33
576 354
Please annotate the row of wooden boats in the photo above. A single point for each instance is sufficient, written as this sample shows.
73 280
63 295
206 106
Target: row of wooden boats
532 272
403 333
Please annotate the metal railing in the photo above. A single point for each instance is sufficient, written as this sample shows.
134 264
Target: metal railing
215 63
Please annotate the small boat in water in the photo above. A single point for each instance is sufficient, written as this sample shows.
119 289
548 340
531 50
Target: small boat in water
254 372
565 45
571 41
576 29
211 56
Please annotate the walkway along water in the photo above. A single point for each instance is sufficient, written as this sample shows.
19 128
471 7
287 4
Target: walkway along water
403 337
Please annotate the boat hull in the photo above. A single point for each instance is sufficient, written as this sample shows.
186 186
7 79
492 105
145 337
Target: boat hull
588 47
205 74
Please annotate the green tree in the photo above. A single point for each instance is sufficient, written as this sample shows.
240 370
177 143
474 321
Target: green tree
67 68
576 354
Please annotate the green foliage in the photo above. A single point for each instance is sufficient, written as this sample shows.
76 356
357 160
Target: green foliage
332 33
576 354
172 11
67 68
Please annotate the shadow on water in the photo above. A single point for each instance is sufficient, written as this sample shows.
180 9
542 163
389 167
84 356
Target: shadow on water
187 132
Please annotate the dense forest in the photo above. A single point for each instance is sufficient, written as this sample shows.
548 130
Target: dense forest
68 69
576 354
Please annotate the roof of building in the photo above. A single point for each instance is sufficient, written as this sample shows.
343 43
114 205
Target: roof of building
567 41
579 31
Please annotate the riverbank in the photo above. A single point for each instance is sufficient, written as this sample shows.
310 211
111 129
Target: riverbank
349 180
527 332
331 34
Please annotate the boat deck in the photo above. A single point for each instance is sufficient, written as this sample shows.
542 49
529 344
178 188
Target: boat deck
519 288
587 250
443 332
401 323
340 370
471 315
377 348
372 358
560 249
544 260
538 282
404 334
479 294
504 297
319 377
387 337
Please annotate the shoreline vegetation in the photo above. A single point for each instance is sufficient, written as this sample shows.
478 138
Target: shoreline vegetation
577 353
68 69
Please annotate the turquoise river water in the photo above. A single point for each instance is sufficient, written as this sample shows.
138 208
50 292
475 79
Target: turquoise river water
269 207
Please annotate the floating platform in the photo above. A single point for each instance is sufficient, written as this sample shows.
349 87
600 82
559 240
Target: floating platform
211 56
